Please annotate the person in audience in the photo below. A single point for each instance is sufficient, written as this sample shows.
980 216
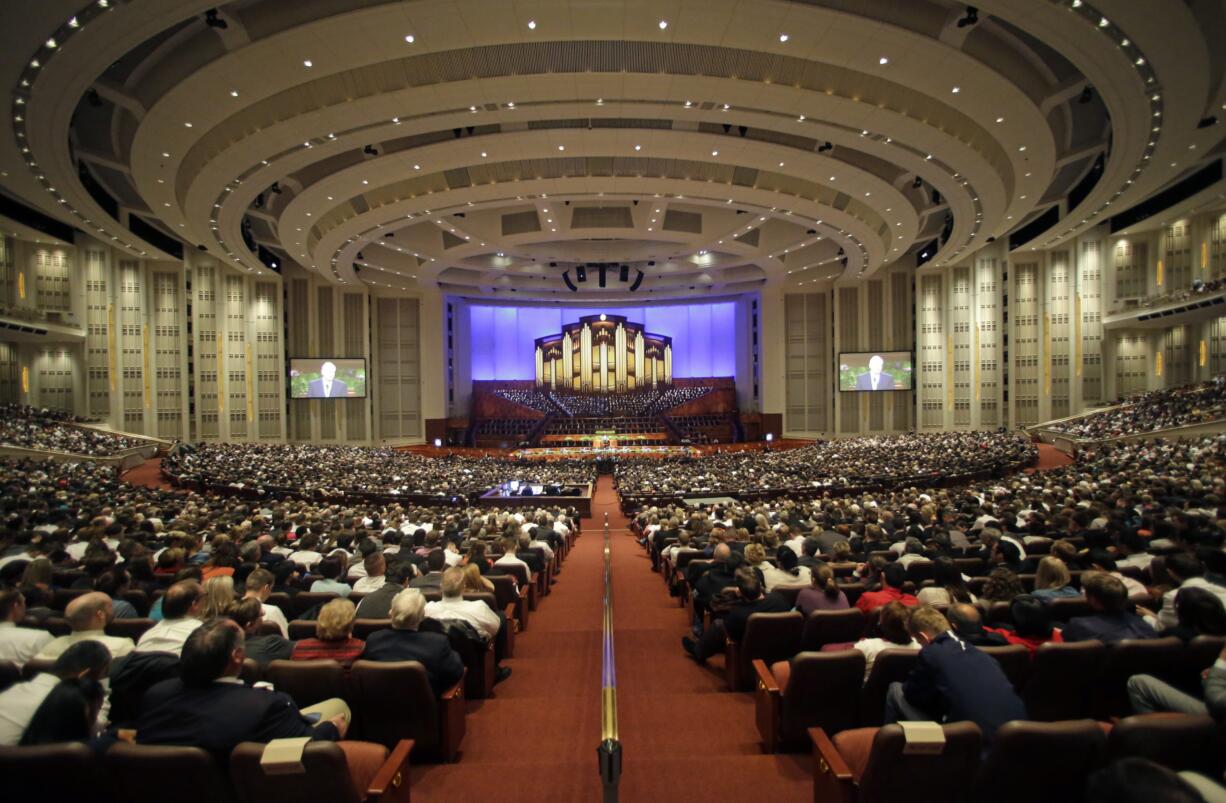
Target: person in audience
181 607
892 625
87 615
376 570
18 644
333 636
1032 623
259 587
454 606
949 587
1148 694
85 660
329 570
1110 621
403 642
893 577
952 681
1185 572
263 648
378 603
69 713
208 706
1053 581
823 593
750 600
967 624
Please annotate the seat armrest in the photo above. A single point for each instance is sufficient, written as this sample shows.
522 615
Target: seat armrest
833 781
391 782
768 706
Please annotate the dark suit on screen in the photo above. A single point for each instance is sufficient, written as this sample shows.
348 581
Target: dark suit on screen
316 389
884 381
442 664
220 715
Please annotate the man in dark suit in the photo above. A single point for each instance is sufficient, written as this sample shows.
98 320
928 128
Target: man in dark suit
875 379
327 386
208 706
1111 621
733 624
952 681
404 643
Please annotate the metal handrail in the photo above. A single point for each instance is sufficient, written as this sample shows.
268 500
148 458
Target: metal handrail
609 752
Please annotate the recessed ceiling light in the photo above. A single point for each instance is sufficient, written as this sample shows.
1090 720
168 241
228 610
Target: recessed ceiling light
663 24
307 63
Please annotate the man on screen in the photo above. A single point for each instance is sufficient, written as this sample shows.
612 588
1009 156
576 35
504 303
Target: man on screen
328 386
875 379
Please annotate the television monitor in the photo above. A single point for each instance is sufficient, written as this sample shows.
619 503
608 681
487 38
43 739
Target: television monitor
327 378
875 371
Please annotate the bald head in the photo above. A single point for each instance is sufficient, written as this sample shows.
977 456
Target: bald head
92 611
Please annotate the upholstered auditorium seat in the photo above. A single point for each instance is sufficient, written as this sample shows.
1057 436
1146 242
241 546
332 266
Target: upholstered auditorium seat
889 666
309 682
392 701
1048 761
157 773
768 637
1061 680
331 773
1179 741
869 765
832 627
812 690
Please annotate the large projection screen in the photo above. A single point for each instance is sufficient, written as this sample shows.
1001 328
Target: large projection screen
875 371
327 378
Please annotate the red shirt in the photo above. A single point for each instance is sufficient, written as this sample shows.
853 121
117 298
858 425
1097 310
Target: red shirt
870 601
1031 644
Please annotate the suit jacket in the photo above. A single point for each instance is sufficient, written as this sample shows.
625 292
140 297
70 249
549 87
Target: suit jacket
221 715
432 650
1107 627
315 389
884 382
954 681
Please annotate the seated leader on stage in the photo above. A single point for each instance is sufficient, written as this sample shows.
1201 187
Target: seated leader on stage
875 379
327 386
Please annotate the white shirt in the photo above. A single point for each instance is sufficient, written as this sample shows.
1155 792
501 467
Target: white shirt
20 644
872 646
168 635
473 611
368 584
18 704
275 615
119 646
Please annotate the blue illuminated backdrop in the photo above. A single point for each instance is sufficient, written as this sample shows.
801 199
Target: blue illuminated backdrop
502 338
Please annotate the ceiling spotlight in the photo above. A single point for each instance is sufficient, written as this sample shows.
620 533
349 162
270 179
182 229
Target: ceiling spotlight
213 21
971 18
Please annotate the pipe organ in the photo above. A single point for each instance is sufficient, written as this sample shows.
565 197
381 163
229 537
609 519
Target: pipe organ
603 354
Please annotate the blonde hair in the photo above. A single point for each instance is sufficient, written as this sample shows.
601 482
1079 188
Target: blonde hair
218 597
335 621
1052 573
755 554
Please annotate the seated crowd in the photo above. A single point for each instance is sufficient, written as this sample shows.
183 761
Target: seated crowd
1159 409
56 431
352 470
1124 546
831 464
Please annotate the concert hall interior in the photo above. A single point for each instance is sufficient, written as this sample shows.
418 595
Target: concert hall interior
562 400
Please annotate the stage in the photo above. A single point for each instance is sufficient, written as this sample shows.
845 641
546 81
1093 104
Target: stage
508 495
